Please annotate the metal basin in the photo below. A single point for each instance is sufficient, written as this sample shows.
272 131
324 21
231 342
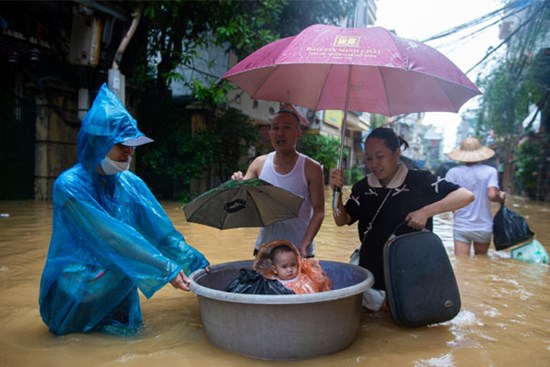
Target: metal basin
281 326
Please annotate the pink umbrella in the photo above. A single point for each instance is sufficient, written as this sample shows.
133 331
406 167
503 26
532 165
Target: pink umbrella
359 69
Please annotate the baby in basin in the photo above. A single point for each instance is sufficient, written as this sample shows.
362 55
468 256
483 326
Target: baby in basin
280 269
280 260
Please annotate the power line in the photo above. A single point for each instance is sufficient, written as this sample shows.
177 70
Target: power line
466 25
512 34
514 7
477 31
500 15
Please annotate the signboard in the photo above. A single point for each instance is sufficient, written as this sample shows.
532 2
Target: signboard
334 117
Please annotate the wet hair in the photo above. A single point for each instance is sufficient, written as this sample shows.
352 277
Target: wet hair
279 249
390 138
292 113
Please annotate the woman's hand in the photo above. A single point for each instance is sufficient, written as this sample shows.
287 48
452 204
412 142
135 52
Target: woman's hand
181 282
339 213
336 178
416 219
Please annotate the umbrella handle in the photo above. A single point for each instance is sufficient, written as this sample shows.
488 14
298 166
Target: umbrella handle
335 196
337 190
234 206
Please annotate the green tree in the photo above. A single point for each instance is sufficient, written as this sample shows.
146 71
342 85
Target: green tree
519 80
172 33
175 157
232 135
176 28
183 154
505 103
324 149
527 167
377 120
537 80
353 175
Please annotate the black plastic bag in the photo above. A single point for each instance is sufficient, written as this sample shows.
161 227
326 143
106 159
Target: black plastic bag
509 228
252 282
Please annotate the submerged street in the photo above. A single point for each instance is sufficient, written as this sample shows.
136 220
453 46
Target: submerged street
504 319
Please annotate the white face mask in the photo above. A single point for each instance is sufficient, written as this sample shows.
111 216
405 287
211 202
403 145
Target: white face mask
111 167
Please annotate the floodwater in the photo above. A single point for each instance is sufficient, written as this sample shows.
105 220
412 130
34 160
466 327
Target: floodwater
504 320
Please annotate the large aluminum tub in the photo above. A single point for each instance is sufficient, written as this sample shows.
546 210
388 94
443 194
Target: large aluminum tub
281 326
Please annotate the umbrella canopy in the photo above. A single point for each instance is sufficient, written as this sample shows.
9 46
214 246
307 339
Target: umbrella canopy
358 69
353 69
243 203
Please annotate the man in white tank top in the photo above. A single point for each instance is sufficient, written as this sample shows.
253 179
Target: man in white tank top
295 172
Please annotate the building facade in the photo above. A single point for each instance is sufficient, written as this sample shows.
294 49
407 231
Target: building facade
54 55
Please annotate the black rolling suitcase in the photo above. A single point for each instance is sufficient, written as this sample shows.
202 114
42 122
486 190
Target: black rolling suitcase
421 286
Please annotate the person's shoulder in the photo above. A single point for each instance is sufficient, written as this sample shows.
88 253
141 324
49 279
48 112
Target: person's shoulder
419 174
73 176
362 184
261 158
422 177
130 176
258 163
454 173
455 169
308 161
489 167
130 179
75 182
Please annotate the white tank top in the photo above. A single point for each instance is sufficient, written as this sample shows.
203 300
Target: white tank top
292 230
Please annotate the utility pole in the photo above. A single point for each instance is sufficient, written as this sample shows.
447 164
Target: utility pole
115 79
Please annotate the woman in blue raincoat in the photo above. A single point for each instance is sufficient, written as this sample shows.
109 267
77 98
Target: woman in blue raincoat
110 235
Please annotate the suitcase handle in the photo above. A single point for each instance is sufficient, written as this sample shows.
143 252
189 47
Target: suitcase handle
394 233
404 223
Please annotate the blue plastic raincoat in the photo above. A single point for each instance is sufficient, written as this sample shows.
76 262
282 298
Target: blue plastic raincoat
110 236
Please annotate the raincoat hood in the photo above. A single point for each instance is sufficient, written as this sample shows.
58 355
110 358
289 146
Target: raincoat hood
107 123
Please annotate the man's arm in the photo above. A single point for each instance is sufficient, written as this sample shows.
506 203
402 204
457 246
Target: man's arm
316 187
495 195
253 171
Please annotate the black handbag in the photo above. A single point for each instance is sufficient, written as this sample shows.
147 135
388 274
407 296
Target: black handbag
509 228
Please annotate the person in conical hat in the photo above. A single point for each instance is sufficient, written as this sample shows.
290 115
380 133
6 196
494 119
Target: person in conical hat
471 151
473 224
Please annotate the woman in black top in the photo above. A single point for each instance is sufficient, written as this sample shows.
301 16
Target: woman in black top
389 195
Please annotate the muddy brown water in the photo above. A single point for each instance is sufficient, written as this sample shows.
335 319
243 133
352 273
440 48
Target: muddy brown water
504 320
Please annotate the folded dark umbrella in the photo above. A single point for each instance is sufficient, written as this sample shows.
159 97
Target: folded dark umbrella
243 203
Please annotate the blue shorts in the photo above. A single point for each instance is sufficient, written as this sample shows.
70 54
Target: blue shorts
475 236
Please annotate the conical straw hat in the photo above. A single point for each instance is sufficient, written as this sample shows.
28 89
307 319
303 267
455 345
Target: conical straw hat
471 150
